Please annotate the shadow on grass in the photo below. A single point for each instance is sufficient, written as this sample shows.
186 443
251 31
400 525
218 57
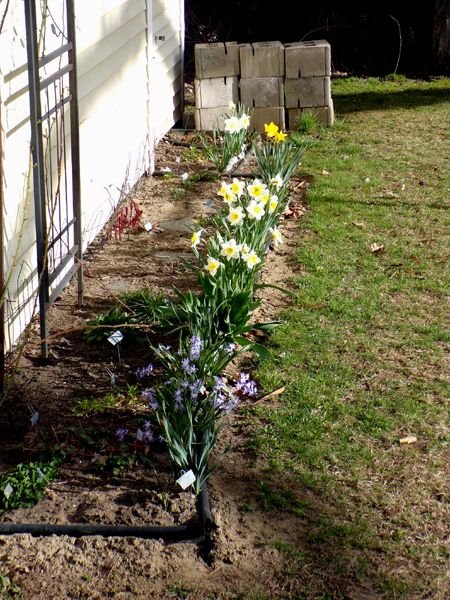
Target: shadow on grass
380 202
409 98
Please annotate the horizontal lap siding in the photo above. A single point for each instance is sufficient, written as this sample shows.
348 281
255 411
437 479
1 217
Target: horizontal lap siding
116 98
113 105
19 253
167 66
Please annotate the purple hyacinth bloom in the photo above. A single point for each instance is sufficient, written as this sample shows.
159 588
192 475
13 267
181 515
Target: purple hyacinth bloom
246 386
121 434
187 367
230 348
144 371
149 396
195 348
179 400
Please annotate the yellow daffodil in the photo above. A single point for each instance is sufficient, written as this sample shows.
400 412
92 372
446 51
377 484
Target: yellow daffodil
271 129
252 259
230 249
236 215
280 136
212 265
255 210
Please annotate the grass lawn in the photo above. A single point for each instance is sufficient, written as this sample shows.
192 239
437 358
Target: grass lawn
363 353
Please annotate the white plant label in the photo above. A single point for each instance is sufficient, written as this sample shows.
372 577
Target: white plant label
8 490
148 226
115 338
186 479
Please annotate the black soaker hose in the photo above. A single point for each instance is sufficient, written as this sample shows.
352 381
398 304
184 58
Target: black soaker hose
195 532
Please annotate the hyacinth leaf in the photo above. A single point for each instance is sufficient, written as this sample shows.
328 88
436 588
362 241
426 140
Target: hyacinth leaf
259 349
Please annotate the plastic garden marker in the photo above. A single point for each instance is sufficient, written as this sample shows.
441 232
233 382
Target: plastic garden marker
186 479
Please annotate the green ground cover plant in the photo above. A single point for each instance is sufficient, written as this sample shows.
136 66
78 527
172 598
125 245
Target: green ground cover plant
363 427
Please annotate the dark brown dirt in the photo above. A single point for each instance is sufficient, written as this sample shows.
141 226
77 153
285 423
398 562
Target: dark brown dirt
244 561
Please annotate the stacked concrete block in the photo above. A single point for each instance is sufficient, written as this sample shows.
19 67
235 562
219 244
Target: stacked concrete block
307 83
277 82
217 70
261 84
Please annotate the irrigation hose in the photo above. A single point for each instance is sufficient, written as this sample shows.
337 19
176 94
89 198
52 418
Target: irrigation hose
193 532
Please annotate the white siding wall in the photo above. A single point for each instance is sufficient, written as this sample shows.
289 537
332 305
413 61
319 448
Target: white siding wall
130 93
166 64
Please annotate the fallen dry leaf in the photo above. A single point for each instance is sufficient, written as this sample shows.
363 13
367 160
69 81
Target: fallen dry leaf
325 172
409 439
376 248
356 224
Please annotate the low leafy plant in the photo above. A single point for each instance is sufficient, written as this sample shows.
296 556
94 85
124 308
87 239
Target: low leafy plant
90 405
8 589
100 328
24 486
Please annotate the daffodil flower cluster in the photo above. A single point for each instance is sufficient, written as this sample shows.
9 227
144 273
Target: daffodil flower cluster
191 404
245 229
228 146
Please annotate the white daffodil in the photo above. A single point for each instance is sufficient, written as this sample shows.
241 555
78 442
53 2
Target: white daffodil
196 238
212 265
233 161
236 215
252 259
277 181
273 203
231 106
265 196
227 193
255 210
232 125
256 189
237 187
276 236
245 121
230 249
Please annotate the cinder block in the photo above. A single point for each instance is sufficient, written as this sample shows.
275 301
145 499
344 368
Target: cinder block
262 91
218 91
307 92
307 59
219 59
207 119
262 59
324 114
262 116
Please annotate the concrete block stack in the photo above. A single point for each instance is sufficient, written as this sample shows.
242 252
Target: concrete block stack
278 82
307 82
261 84
216 82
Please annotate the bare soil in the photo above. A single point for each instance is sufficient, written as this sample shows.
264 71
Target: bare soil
245 560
